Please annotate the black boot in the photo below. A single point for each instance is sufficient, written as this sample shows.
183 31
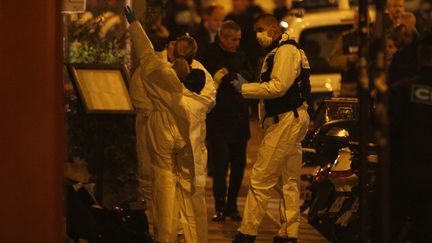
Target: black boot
232 212
234 215
278 239
243 238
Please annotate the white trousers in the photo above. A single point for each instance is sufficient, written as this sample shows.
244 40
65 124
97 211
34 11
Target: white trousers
278 166
143 156
189 208
170 200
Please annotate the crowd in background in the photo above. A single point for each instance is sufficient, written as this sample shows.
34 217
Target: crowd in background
228 40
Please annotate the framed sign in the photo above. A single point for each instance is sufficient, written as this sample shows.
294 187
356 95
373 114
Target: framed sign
102 88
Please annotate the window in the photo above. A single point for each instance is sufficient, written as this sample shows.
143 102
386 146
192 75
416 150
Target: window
318 44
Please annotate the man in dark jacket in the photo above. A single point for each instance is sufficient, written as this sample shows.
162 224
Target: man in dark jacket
212 19
344 58
228 123
410 106
244 13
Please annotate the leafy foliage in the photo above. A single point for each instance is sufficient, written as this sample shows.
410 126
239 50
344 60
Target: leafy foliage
97 40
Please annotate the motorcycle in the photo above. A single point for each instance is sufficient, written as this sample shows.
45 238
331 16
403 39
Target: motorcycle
334 205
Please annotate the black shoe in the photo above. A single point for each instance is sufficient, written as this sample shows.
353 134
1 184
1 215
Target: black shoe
235 216
243 238
219 217
278 239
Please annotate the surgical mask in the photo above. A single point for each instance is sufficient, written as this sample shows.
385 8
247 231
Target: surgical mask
263 39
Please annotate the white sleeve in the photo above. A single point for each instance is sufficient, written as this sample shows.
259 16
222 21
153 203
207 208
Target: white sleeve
158 78
286 68
148 59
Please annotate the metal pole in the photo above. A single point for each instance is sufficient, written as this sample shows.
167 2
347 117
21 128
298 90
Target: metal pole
381 126
363 91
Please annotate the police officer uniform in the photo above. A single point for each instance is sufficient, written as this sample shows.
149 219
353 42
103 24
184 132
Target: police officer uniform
411 153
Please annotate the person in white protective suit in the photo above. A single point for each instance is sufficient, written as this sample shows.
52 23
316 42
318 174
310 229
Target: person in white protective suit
285 122
174 139
143 106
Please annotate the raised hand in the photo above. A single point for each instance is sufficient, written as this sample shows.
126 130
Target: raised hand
130 16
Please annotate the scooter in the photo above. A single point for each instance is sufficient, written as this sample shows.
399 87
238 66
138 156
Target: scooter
334 205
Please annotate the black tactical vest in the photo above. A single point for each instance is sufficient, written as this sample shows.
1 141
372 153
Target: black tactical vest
294 97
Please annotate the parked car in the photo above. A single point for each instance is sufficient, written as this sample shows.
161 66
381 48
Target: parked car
316 31
329 109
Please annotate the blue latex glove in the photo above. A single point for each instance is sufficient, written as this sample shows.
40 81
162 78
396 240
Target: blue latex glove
237 83
130 16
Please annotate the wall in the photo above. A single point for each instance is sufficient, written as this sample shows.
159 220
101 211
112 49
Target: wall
32 136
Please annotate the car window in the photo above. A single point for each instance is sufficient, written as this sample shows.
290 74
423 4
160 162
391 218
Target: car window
318 44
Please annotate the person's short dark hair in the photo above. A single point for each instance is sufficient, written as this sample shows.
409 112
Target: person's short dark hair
227 27
211 8
268 19
176 33
152 14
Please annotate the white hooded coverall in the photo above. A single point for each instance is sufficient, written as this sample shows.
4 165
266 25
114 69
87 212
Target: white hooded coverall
279 156
143 105
175 139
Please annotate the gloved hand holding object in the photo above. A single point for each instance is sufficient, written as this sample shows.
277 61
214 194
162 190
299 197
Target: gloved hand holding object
218 76
130 16
237 83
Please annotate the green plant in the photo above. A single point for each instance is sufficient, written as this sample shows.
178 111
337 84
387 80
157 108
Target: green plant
101 140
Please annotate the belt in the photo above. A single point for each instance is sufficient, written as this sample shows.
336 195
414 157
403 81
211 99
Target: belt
276 117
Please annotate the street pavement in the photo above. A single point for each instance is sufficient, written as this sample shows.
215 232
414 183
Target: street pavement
223 232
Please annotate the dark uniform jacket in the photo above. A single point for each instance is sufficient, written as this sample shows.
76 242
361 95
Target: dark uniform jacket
411 155
410 106
202 37
229 119
404 63
248 42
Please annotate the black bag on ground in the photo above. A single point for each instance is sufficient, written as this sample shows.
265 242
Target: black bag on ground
86 219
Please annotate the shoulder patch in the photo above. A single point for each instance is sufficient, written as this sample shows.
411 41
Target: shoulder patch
421 94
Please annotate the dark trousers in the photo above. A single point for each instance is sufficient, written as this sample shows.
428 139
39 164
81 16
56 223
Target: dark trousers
224 155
